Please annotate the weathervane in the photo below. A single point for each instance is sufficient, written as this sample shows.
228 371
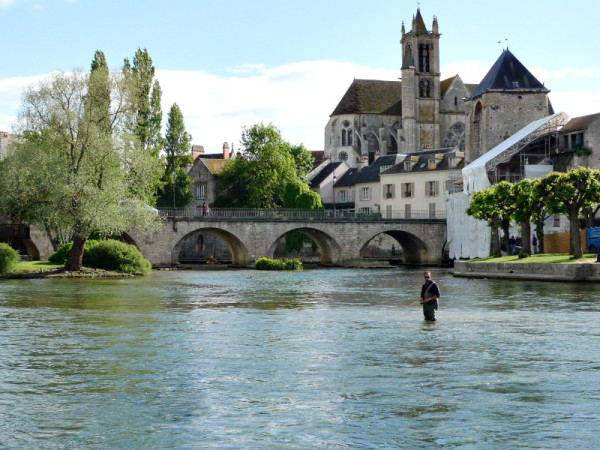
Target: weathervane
506 40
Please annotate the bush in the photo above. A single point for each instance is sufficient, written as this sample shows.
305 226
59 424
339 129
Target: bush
9 258
278 264
119 256
522 254
60 255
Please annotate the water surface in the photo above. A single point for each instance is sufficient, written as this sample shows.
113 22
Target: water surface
328 357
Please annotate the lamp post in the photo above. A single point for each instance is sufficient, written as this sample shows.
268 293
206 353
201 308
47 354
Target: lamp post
333 189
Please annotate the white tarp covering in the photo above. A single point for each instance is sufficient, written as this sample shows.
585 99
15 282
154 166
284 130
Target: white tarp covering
475 174
467 237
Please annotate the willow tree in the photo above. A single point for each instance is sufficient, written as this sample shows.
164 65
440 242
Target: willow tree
77 170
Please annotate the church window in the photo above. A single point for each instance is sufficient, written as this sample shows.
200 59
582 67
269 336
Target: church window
424 58
455 101
455 136
347 136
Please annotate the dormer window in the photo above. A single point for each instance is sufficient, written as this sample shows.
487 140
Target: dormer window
431 163
407 165
452 162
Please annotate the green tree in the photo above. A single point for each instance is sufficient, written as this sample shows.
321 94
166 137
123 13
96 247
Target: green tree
145 102
303 159
258 176
524 208
539 209
68 171
484 206
505 203
570 194
298 195
178 150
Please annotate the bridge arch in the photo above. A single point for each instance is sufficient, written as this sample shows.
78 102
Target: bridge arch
414 248
330 250
239 252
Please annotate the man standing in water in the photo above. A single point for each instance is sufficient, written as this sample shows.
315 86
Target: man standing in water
430 292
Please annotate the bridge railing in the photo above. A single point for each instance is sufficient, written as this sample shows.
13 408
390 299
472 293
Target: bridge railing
297 214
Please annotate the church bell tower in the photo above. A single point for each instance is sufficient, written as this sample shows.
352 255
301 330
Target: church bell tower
420 86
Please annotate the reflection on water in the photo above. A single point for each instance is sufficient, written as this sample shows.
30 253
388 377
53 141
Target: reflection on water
317 358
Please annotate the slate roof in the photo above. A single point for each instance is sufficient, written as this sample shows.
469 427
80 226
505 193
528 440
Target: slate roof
371 97
327 170
508 74
579 123
420 27
422 164
368 174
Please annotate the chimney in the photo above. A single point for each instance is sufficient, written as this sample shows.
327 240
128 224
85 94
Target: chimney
225 150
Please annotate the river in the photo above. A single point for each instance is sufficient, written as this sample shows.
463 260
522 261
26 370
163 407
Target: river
320 358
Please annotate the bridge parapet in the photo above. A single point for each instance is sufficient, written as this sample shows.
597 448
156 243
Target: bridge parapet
286 214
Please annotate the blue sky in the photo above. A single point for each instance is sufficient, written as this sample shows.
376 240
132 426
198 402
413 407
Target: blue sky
233 63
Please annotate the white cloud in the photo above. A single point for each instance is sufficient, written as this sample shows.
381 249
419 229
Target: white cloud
297 98
6 3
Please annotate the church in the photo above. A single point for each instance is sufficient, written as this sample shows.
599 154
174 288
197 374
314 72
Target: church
422 112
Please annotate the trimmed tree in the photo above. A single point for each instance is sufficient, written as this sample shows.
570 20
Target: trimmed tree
484 206
570 194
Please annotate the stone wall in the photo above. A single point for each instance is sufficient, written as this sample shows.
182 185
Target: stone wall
526 271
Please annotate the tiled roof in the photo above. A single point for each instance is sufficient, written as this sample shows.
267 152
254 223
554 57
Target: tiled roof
371 97
508 74
579 123
214 165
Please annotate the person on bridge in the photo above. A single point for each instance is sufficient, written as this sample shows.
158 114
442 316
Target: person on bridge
430 293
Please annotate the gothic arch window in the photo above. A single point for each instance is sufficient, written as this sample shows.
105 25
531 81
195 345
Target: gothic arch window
424 58
347 136
455 136
455 101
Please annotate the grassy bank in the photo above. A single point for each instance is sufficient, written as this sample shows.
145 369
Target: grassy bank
41 269
543 258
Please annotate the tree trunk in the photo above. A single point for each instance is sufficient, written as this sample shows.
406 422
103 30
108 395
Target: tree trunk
495 237
526 236
75 257
539 232
575 237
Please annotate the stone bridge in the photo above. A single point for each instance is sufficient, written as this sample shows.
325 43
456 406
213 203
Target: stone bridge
338 240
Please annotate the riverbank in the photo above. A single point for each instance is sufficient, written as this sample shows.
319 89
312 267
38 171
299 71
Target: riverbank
44 269
582 270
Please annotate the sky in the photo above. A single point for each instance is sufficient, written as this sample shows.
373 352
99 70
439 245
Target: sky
230 64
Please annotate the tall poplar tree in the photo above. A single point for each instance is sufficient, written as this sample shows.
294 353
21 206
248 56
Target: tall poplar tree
145 98
175 190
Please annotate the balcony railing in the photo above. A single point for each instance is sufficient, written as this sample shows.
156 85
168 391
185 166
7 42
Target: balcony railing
284 214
